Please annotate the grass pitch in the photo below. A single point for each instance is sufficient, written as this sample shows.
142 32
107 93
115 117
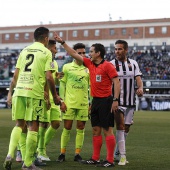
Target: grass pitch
148 144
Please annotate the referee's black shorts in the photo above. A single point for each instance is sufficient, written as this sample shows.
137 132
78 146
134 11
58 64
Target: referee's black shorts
101 112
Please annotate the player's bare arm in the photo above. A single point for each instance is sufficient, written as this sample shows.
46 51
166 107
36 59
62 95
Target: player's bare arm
116 83
52 88
139 82
12 86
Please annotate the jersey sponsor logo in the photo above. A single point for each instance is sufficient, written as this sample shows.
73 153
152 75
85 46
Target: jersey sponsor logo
74 86
24 88
72 69
26 79
34 50
98 78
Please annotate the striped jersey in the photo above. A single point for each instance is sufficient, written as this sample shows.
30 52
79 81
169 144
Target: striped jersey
127 71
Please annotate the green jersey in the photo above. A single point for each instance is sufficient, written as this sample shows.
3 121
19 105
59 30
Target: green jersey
33 62
76 80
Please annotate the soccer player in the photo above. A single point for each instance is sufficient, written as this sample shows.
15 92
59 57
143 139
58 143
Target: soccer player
128 71
33 69
102 75
74 91
54 113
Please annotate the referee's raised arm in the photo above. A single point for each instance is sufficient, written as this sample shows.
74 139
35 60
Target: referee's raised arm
69 50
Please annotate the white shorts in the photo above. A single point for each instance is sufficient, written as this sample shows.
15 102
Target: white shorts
128 114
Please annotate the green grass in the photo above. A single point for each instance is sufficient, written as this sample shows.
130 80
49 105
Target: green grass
148 144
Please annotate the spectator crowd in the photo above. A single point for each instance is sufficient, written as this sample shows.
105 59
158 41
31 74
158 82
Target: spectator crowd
154 65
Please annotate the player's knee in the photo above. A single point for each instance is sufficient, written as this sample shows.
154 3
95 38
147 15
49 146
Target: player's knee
97 131
44 124
120 127
81 125
21 124
55 124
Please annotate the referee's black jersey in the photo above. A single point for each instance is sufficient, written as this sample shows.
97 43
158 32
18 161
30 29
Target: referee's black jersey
127 71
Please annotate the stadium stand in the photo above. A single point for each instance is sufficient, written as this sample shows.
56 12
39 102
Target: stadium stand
154 64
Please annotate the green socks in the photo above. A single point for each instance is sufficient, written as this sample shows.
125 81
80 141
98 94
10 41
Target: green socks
65 137
14 139
31 145
22 143
41 137
49 135
79 139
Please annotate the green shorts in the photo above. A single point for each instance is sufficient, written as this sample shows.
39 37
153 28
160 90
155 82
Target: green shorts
28 109
54 113
76 114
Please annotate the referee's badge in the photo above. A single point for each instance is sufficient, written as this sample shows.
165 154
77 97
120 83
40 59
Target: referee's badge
98 78
52 64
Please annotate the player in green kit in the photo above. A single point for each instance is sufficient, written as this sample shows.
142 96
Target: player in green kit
33 70
54 113
74 91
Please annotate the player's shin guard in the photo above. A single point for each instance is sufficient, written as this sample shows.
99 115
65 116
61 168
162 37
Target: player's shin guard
65 137
49 135
14 139
79 140
31 144
41 134
22 143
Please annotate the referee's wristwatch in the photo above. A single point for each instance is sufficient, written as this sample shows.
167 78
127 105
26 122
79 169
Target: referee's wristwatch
115 99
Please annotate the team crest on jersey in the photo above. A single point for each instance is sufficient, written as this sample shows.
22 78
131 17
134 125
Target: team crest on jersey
98 78
52 64
86 70
129 65
79 78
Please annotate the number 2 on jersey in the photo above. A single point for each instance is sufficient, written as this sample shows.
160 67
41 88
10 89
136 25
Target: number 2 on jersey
30 58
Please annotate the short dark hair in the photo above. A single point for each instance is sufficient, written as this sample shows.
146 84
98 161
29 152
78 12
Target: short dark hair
99 48
78 46
125 44
51 43
40 33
